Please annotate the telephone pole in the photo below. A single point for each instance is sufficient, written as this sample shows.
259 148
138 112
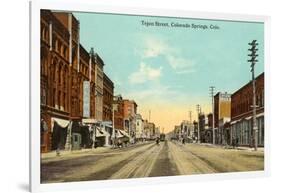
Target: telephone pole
253 61
212 89
198 128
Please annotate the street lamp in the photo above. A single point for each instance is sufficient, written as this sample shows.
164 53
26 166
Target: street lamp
253 61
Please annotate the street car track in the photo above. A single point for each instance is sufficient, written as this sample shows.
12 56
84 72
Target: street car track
165 164
190 163
98 169
144 160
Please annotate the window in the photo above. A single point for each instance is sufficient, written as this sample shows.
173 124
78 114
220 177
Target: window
262 98
54 97
59 101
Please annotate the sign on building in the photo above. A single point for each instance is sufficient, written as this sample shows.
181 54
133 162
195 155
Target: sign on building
86 99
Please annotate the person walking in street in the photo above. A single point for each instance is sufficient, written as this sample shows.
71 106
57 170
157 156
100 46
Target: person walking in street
157 141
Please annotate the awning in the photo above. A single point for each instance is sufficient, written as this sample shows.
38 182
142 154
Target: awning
261 114
61 122
118 134
89 121
233 122
248 118
100 132
124 133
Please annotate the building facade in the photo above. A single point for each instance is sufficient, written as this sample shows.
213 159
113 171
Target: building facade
108 90
222 107
203 127
67 79
222 112
99 87
139 127
130 112
149 130
241 125
187 130
119 113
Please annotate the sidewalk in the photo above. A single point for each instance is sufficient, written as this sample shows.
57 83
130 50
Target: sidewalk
67 154
259 149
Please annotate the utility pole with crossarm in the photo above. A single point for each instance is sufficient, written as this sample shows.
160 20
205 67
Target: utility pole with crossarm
253 61
212 90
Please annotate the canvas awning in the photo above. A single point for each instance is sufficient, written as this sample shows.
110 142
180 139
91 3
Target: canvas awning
233 122
124 133
89 121
260 114
100 132
61 122
248 118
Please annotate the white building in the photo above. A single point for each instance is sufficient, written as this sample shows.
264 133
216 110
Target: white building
139 127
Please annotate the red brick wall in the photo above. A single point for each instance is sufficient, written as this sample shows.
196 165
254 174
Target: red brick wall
242 99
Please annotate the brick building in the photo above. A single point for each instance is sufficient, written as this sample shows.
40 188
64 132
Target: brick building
222 106
65 67
130 112
108 90
119 113
222 112
241 113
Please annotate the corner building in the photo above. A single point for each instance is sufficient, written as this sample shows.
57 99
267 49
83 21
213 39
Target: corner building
65 67
241 125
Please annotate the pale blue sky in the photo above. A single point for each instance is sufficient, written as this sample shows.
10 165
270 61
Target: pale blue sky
171 65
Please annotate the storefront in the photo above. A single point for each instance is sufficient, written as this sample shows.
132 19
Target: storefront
59 130
242 132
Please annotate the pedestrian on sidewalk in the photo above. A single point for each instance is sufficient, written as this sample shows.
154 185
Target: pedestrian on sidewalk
237 141
233 143
58 151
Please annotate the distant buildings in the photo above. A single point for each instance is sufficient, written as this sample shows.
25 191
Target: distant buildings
185 130
232 116
204 127
139 127
150 130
